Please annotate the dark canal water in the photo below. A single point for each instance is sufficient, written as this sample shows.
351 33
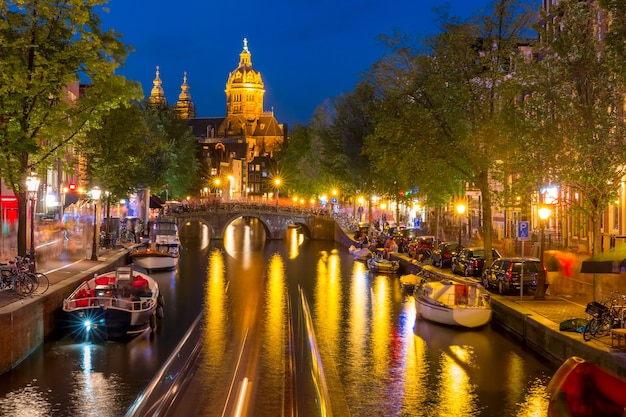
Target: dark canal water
378 359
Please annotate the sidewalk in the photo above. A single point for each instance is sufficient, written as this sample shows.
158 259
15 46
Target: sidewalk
60 269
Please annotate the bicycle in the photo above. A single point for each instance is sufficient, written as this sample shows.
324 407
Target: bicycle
16 275
604 317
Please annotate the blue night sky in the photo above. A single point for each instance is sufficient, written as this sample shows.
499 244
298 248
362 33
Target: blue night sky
306 51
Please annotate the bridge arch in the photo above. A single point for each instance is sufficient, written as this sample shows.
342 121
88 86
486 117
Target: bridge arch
275 223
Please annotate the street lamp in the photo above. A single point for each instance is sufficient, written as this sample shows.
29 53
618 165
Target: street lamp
460 208
277 184
95 196
217 196
32 185
544 213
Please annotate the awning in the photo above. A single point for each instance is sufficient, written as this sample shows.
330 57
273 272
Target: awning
155 202
612 261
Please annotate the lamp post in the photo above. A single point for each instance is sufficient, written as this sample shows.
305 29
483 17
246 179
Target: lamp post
95 195
32 185
544 213
217 195
277 184
460 208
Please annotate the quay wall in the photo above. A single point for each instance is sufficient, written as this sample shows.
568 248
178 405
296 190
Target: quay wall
26 323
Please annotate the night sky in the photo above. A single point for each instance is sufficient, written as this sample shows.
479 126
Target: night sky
306 51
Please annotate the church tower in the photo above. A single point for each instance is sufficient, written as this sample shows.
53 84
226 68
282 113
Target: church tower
244 88
245 118
185 106
157 96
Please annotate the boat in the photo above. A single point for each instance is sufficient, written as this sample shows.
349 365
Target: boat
116 304
580 388
379 264
454 303
409 281
162 257
165 234
360 254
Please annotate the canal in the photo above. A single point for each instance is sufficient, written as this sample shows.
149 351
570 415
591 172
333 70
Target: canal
378 359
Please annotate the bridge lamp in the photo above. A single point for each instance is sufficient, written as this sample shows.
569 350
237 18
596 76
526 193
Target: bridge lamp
95 195
32 186
544 213
460 209
277 185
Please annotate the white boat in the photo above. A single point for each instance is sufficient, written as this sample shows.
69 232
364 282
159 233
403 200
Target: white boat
360 254
114 305
165 234
379 264
464 304
151 259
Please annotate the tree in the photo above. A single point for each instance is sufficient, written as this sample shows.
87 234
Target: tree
47 48
573 110
443 107
170 161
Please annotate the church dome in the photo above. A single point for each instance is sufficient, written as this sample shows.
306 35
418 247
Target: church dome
244 75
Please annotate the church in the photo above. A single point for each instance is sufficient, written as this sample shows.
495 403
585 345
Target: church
235 151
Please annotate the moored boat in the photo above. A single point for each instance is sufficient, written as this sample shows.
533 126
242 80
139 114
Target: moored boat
409 281
580 389
464 304
151 259
359 254
115 304
165 234
379 264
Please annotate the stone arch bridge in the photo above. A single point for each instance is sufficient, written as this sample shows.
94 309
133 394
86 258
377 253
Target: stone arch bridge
275 223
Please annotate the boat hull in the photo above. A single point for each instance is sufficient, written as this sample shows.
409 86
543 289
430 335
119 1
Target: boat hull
580 388
360 254
452 304
467 317
383 266
154 260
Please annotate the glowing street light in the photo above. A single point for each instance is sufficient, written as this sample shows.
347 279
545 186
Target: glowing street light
544 213
32 185
460 208
95 195
277 185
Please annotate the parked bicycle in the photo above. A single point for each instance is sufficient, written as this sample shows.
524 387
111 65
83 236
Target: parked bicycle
16 275
605 316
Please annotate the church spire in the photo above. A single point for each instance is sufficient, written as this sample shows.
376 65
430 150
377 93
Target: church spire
244 56
157 96
185 106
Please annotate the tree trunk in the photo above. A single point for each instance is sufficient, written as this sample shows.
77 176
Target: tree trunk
22 223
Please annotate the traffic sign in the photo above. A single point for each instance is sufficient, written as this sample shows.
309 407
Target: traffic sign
334 200
523 230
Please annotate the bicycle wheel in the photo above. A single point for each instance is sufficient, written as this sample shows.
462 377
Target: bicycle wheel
43 283
25 283
604 326
590 329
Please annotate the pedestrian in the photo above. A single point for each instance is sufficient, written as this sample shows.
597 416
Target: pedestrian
138 230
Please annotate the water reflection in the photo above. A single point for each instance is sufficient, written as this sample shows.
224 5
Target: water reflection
243 239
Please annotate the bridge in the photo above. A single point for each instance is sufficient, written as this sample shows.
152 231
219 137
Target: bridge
275 222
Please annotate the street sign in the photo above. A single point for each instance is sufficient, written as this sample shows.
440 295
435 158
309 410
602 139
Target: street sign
523 230
334 200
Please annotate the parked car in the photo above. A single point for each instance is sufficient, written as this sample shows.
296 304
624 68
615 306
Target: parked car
470 261
504 274
404 237
442 256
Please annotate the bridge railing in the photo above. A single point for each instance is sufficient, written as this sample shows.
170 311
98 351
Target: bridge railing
235 206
